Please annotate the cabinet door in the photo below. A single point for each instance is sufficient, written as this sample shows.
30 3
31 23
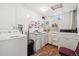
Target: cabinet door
54 39
37 45
38 42
50 39
43 40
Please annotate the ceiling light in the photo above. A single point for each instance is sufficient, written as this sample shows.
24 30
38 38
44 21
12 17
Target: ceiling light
56 6
44 9
27 16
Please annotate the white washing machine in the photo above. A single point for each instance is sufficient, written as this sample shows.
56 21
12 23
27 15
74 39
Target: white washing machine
13 44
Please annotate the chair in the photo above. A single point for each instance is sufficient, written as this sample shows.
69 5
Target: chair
68 52
77 50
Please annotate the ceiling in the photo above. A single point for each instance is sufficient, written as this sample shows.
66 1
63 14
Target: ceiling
42 8
45 8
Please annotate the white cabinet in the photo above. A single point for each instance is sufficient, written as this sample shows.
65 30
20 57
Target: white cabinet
37 45
53 39
37 40
69 41
64 40
58 39
40 40
50 39
44 39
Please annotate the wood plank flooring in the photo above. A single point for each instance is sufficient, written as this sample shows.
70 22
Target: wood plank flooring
47 50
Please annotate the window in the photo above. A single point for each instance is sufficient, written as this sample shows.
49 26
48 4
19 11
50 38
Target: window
57 17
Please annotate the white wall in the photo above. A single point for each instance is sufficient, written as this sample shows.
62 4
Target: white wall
22 15
13 14
7 15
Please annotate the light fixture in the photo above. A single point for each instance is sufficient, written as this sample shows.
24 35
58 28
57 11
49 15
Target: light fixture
28 16
57 6
44 9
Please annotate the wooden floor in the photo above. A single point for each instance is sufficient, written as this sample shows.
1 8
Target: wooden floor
47 50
